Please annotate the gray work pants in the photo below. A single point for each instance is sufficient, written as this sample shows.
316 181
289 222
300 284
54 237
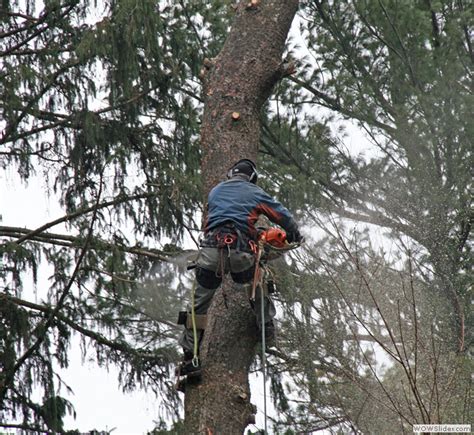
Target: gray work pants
212 264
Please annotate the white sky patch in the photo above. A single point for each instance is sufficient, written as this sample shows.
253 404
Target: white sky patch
101 404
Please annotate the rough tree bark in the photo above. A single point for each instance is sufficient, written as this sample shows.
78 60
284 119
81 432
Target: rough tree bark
236 85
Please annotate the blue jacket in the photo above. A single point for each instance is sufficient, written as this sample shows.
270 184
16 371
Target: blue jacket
241 202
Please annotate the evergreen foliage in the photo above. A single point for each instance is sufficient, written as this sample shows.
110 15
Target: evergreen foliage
102 100
403 73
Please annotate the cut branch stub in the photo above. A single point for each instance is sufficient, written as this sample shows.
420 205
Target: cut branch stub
288 68
252 4
235 116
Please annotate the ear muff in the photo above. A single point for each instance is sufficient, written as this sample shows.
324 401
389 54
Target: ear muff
252 177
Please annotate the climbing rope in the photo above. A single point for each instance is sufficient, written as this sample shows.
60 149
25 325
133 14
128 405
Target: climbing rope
195 360
258 281
264 358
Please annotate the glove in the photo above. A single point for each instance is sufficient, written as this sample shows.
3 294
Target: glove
294 236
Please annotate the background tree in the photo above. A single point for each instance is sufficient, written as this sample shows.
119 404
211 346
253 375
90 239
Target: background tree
363 349
403 74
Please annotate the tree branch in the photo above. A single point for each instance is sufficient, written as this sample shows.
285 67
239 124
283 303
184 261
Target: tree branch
118 200
75 242
333 104
99 338
27 428
70 6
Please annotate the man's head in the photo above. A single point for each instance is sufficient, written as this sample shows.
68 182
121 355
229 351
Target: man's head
244 167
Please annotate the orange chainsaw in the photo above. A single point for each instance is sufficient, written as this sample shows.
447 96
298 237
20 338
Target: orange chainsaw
274 236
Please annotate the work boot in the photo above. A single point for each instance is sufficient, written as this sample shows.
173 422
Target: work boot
188 368
187 372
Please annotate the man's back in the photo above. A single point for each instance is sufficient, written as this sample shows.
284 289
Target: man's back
241 202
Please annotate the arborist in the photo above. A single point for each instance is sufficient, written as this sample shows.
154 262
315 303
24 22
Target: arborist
229 245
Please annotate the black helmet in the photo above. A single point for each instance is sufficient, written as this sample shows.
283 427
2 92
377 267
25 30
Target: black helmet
244 166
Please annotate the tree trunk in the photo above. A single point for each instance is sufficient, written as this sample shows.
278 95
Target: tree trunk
236 85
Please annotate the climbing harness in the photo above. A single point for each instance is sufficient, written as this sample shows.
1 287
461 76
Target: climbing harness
227 238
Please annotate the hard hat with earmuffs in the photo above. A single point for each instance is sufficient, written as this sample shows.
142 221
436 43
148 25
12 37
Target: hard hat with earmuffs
246 167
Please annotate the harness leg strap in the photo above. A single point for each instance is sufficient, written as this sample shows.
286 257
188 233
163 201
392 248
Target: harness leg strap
201 321
185 318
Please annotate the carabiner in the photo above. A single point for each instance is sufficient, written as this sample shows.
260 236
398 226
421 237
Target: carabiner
229 239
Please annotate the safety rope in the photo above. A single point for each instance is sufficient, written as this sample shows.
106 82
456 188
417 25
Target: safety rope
256 281
195 360
264 357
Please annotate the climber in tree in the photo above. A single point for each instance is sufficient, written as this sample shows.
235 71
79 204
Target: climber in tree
229 245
